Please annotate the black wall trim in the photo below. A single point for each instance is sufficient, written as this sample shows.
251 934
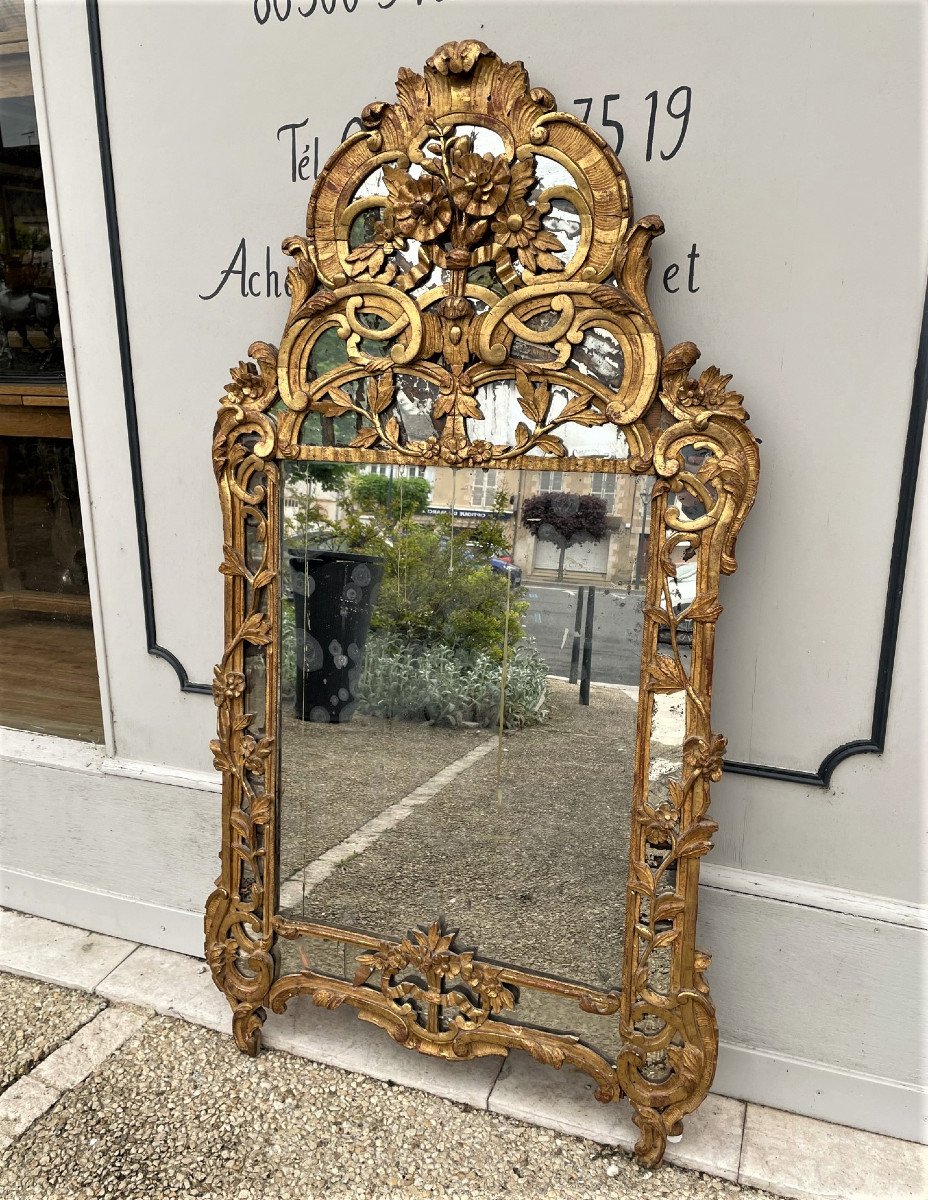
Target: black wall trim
125 355
821 777
911 455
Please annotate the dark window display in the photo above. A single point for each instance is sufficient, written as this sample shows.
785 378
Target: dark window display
30 337
48 670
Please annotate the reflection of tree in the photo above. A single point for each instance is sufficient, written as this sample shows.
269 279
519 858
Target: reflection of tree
439 590
400 497
565 519
303 479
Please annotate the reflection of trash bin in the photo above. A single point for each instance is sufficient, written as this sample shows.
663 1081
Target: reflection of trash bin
333 600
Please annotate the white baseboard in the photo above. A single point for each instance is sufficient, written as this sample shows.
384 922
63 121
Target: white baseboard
67 754
813 895
824 1092
103 912
198 781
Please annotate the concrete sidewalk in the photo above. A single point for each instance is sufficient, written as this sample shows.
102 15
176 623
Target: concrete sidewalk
108 1099
140 1106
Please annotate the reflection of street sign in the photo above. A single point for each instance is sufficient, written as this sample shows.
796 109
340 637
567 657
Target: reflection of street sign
469 512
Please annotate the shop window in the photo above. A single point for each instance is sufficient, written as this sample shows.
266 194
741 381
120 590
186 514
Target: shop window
48 670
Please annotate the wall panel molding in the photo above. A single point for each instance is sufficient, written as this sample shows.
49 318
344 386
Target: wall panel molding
818 777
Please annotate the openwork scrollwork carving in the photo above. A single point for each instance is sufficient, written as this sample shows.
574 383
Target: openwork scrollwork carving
431 256
456 272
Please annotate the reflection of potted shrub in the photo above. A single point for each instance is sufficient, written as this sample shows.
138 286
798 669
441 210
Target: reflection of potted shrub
333 600
565 518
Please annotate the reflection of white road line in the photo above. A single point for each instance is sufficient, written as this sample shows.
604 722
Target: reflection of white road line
546 587
292 889
663 768
565 637
668 722
627 688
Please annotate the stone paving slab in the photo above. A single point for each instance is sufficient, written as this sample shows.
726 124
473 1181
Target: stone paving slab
57 953
566 1102
71 1063
22 1103
793 1156
179 1112
812 1160
174 985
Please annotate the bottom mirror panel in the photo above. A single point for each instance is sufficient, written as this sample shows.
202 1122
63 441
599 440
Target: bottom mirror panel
534 1008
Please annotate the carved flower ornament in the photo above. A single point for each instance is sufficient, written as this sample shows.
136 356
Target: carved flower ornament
454 194
479 183
247 385
227 685
388 239
419 207
518 227
697 399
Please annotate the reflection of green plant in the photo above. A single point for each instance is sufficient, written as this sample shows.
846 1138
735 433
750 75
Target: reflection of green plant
399 497
448 688
287 651
331 477
305 513
438 590
489 533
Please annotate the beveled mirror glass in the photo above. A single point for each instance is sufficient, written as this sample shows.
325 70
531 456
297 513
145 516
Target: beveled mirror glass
474 529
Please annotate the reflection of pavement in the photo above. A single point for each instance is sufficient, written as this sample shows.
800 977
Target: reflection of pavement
617 626
529 865
334 778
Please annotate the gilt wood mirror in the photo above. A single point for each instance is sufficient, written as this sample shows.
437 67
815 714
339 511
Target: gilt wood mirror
475 520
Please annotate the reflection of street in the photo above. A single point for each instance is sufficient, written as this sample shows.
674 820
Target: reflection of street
496 843
617 622
617 625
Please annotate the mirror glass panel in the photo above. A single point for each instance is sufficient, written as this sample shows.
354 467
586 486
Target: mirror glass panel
459 703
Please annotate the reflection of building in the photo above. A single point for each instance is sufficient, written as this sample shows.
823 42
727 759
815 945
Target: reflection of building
616 558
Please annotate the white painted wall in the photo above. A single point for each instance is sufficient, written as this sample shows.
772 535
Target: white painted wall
799 181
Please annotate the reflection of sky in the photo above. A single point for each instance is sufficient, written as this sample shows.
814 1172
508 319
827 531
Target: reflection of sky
564 221
499 401
17 121
373 185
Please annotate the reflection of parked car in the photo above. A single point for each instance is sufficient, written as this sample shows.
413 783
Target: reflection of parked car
499 561
502 563
682 595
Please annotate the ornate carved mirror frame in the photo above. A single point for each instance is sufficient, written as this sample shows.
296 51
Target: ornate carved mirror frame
439 325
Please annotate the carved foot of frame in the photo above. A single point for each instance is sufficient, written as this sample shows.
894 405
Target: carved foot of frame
650 1147
655 1133
246 1028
